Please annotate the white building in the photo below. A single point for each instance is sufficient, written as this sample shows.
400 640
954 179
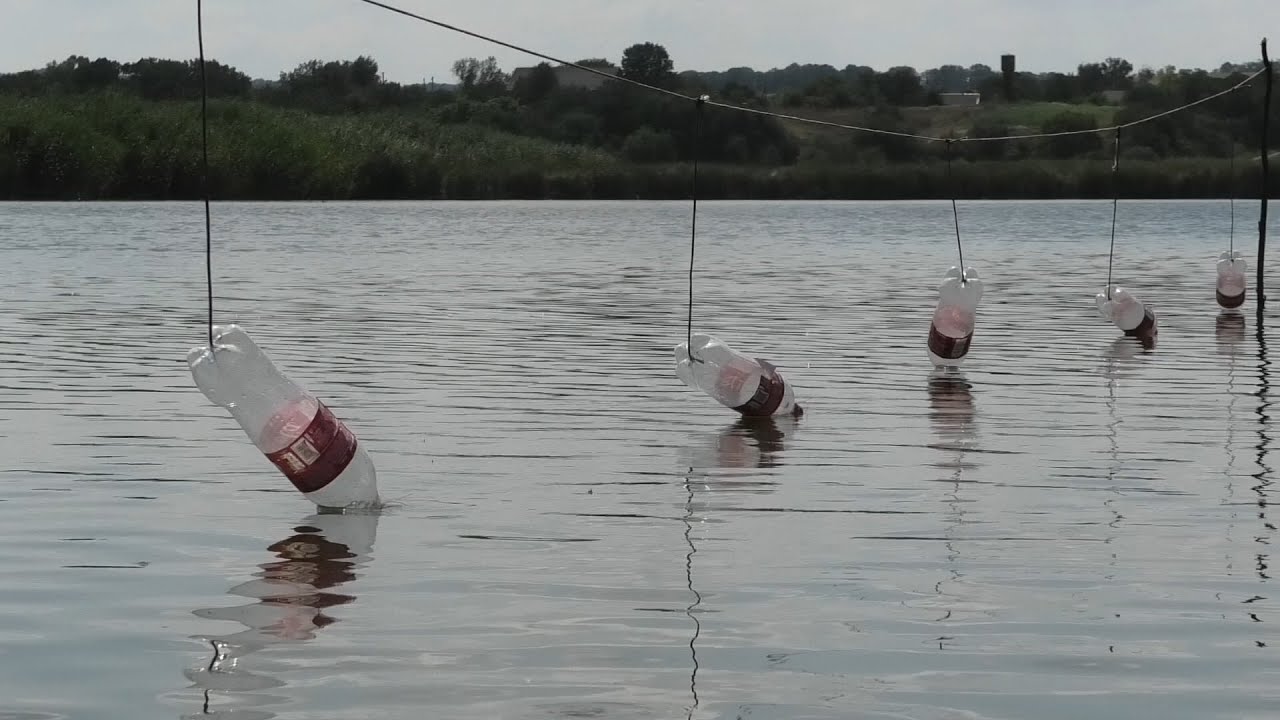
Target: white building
568 76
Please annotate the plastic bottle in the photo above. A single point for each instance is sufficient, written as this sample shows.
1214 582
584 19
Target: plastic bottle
754 388
1231 282
1127 313
951 332
299 435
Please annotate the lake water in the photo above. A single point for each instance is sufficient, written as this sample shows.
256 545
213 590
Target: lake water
1086 531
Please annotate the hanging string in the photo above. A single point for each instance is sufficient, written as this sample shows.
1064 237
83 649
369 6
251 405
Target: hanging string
693 225
954 212
204 170
782 116
1115 203
1231 238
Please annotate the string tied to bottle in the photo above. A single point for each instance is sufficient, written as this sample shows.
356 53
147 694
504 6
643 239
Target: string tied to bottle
1115 206
752 387
955 213
955 315
1117 304
302 437
1231 283
700 104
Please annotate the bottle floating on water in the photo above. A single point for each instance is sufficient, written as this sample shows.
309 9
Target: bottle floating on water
1126 312
752 387
1231 282
951 332
299 435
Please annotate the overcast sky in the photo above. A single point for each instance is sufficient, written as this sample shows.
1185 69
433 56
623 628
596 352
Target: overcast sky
263 37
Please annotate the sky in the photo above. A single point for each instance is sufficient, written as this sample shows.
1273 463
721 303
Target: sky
264 37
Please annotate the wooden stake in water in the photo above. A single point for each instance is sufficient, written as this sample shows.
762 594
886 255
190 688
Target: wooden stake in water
1266 171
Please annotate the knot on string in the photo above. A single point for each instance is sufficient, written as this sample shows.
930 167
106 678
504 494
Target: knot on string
1115 162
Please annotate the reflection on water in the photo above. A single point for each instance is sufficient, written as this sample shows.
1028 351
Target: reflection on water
750 443
951 413
292 595
792 577
730 458
1263 476
1229 331
951 406
753 442
695 600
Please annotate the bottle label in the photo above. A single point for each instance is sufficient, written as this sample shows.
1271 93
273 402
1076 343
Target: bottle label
1146 328
1230 301
768 395
948 348
320 453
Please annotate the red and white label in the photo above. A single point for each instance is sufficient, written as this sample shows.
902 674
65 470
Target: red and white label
947 347
320 453
768 395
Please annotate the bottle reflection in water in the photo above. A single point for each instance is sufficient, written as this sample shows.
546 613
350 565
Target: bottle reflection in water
753 442
292 594
1229 332
951 405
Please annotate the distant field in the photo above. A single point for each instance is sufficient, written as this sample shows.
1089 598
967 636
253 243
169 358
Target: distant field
941 120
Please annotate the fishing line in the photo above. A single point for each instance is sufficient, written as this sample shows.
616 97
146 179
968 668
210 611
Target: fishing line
782 116
204 169
1115 203
951 185
693 229
1231 238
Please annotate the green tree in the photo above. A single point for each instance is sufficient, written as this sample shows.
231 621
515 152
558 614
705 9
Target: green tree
1091 78
948 78
1117 73
648 63
596 64
647 145
1067 146
536 85
364 71
480 78
901 86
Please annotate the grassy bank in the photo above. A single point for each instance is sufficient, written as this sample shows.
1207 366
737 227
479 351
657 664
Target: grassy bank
115 146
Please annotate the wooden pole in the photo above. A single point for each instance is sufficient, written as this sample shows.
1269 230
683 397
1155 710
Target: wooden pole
1266 171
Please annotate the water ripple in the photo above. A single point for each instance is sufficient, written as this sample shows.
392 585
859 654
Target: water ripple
1074 526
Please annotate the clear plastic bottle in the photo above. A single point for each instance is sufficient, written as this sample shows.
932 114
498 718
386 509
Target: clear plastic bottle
951 331
754 388
299 435
1231 282
1128 313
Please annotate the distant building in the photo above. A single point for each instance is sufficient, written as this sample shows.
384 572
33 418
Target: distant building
1113 97
961 98
568 76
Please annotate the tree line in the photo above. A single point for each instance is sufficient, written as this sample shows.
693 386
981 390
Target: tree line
594 125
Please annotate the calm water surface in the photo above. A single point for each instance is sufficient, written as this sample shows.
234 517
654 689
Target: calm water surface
1082 530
